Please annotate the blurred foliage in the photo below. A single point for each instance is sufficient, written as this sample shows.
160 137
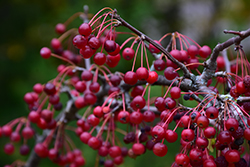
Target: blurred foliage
28 25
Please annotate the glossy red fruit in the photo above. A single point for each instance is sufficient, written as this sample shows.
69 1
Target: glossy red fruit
148 116
112 61
41 150
130 78
170 73
247 133
246 81
182 160
195 154
232 156
142 73
138 102
117 50
193 50
176 54
45 52
225 137
232 124
160 149
209 132
202 121
159 65
205 51
79 41
170 103
209 163
94 43
138 148
9 149
152 77
128 53
87 52
187 135
103 151
184 56
84 137
220 62
175 92
171 136
94 143
123 117
152 48
109 46
115 151
240 87
99 58
136 117
201 142
60 28
93 120
158 132
160 104
85 29
212 112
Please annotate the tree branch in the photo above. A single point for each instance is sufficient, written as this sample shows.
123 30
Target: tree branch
186 72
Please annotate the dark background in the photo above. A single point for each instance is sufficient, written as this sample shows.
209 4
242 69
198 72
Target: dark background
27 25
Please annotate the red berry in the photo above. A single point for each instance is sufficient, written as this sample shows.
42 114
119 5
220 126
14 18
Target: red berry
209 132
202 142
171 136
160 149
205 51
136 117
110 46
152 77
152 48
175 92
138 148
176 54
225 137
112 61
85 29
158 132
212 112
94 43
159 64
9 149
182 160
220 62
232 156
187 135
128 53
130 78
123 117
202 121
142 73
193 50
45 53
195 154
115 151
79 41
86 52
94 143
170 73
41 150
232 124
148 116
60 28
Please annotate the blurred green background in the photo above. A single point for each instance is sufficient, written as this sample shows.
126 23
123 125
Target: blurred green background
27 25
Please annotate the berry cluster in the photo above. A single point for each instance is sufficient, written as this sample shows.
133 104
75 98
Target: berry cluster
218 119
